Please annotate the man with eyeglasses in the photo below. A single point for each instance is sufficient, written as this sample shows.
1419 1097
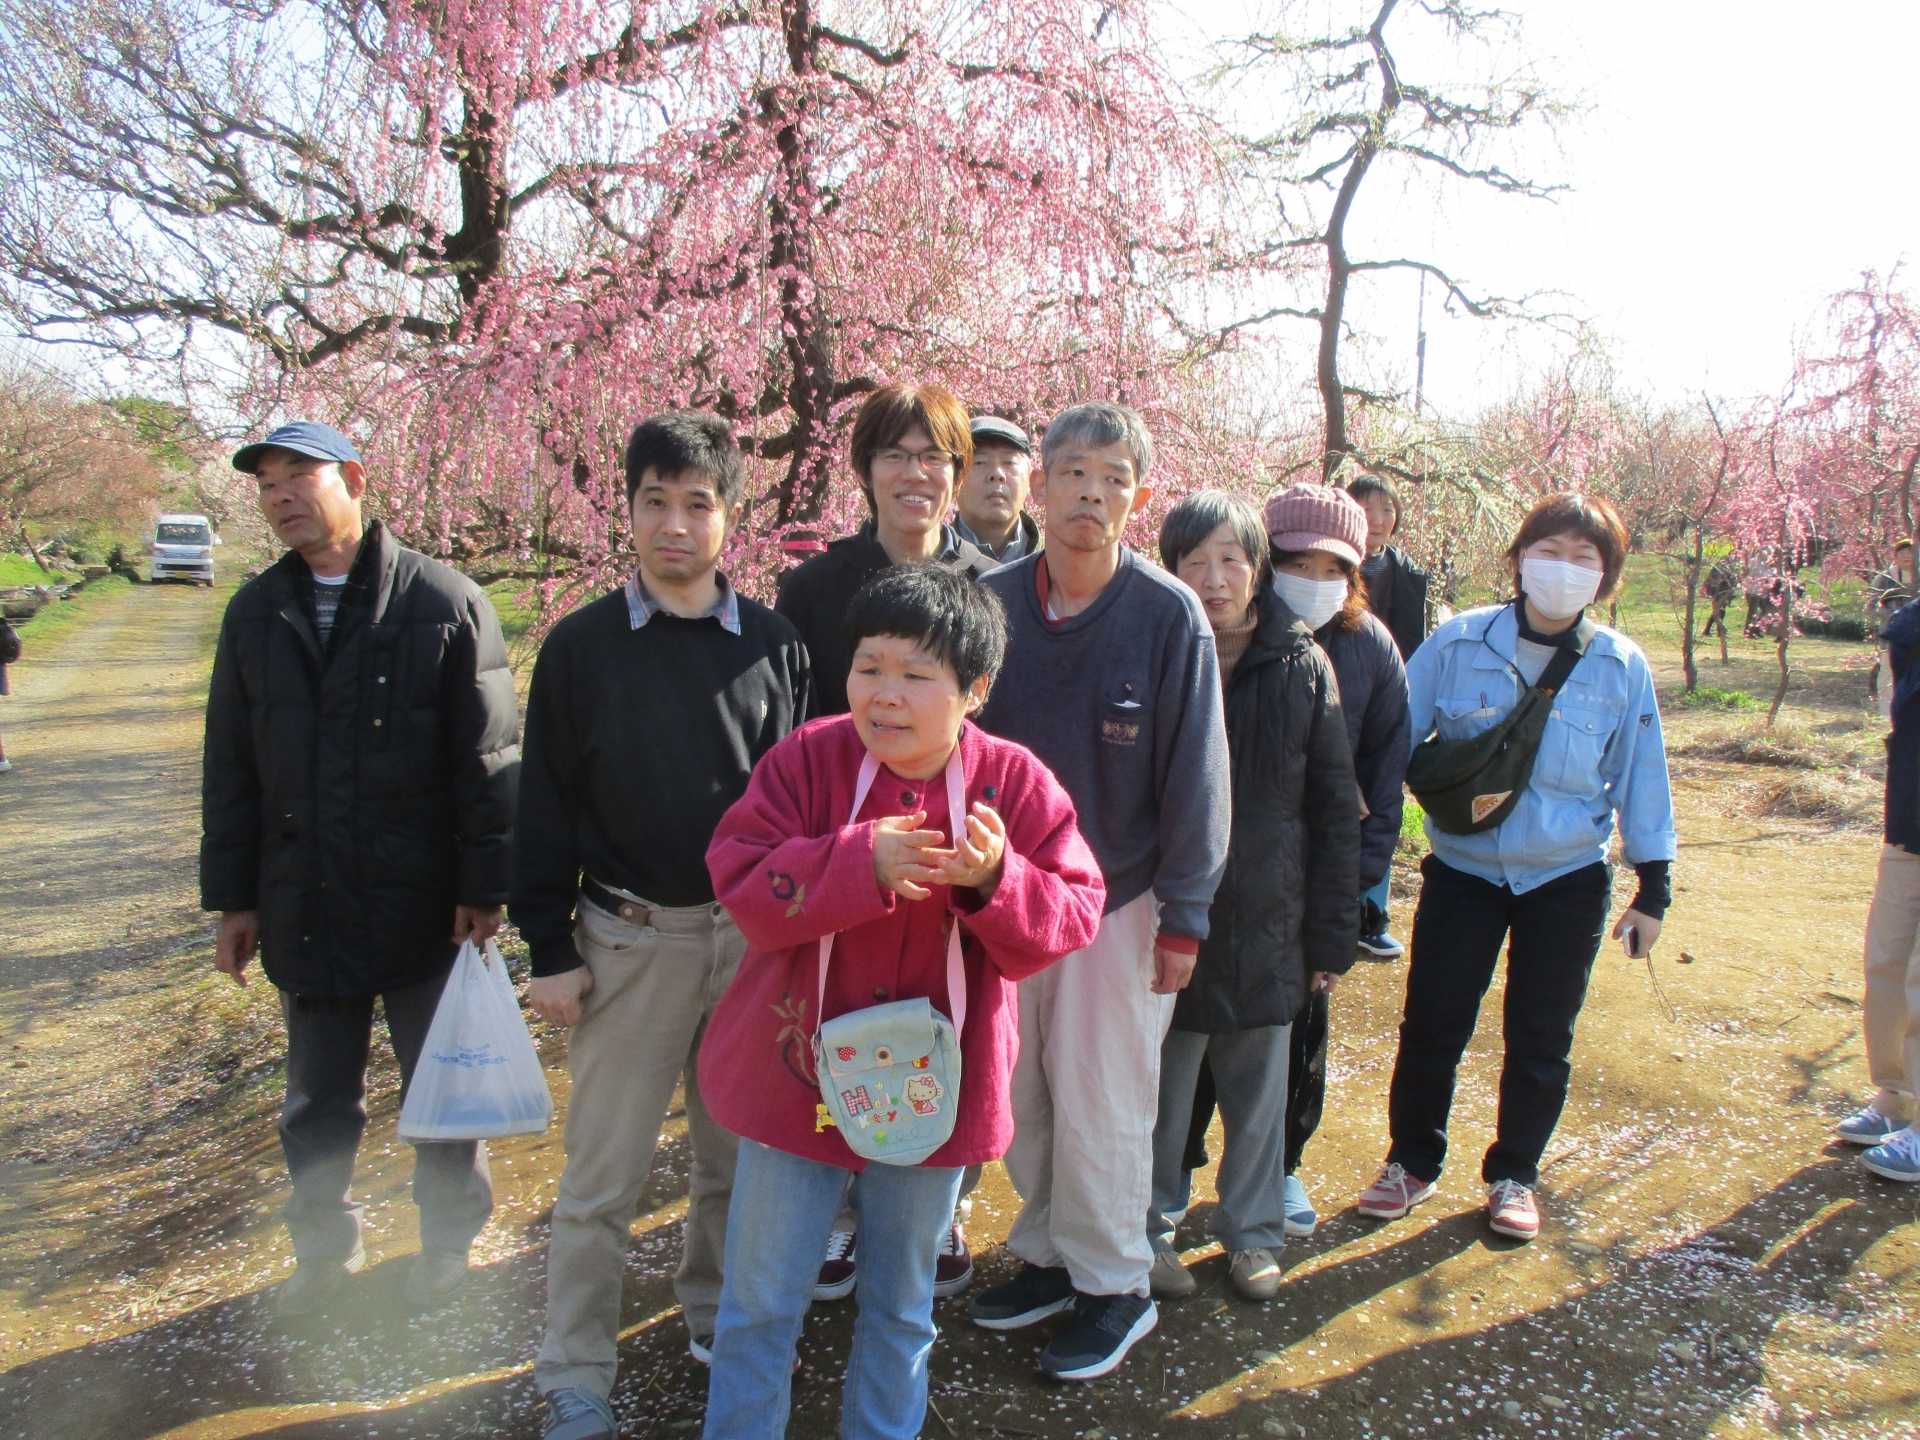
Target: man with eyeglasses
910 444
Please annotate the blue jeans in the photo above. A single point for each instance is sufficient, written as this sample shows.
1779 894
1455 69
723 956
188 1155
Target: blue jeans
777 1225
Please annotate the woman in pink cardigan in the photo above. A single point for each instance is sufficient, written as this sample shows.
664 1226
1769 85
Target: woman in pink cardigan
798 859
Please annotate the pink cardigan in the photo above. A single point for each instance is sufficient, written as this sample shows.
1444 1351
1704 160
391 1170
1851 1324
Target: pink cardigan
789 868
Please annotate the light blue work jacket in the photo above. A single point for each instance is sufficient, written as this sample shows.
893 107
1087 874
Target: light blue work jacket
1602 755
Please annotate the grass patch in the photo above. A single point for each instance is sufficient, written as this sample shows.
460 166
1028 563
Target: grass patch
1413 831
19 570
57 617
1706 697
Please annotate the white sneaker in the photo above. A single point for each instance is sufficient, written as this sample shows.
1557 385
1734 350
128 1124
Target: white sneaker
5 765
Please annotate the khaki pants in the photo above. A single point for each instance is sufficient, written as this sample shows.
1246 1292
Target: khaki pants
654 986
1086 1088
1893 984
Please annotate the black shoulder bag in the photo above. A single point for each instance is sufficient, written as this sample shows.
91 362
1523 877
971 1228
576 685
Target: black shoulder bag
1467 786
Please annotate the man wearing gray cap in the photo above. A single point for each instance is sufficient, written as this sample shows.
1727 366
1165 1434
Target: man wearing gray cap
990 507
356 816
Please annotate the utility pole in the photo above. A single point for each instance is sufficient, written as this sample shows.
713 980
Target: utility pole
1420 347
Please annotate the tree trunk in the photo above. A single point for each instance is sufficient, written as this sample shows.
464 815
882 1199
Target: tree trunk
1783 631
1686 629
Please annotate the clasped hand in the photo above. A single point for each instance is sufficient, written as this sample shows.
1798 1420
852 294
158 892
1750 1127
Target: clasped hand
907 860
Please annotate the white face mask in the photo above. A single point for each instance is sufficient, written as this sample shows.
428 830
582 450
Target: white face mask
1557 589
1314 601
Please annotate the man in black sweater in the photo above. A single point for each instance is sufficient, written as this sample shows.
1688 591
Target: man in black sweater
909 445
648 710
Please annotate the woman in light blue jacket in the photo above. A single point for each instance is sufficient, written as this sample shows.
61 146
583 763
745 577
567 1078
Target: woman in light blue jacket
1541 876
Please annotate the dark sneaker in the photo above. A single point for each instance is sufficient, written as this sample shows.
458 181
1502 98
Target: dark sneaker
836 1270
578 1415
437 1276
1104 1329
1030 1297
1382 946
314 1283
953 1267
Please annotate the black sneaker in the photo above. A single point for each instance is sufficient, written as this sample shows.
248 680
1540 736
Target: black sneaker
836 1277
1030 1297
1104 1329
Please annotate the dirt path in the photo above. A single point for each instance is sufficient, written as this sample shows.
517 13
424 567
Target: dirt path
1710 1265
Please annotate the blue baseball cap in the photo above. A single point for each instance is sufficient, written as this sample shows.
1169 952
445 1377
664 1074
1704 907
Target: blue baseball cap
303 437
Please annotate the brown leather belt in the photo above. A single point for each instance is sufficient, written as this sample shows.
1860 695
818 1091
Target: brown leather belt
615 904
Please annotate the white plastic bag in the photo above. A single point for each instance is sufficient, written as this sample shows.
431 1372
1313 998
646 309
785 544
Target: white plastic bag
478 1074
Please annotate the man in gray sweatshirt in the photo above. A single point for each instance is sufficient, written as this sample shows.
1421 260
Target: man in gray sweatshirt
1112 680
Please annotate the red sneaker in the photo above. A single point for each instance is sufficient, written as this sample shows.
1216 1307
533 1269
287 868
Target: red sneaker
1511 1211
1393 1193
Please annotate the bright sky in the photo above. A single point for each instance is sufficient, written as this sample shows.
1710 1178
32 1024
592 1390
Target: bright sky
1732 165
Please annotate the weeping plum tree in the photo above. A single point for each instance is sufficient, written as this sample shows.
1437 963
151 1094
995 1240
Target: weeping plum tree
490 233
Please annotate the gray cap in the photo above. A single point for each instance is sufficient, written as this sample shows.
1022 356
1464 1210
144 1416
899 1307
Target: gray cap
992 427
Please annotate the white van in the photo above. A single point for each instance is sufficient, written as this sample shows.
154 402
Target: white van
182 548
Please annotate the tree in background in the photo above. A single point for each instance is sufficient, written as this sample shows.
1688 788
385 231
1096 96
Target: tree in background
66 462
489 234
1356 112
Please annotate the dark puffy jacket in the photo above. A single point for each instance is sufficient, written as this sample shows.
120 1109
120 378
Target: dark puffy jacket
1289 903
1405 604
813 599
1373 697
354 796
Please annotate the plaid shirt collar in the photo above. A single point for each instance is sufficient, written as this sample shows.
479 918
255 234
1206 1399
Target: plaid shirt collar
641 607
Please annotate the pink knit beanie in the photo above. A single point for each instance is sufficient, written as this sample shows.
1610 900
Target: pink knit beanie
1317 517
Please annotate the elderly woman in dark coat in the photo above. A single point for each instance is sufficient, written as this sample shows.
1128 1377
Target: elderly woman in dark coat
1285 918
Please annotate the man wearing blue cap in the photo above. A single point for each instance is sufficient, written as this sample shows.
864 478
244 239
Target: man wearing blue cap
356 813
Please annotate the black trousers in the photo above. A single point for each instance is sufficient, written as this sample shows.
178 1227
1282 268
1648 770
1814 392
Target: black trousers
325 1114
1306 1089
1553 934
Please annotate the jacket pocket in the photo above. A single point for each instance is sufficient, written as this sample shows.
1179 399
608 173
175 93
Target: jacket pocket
1570 751
1463 717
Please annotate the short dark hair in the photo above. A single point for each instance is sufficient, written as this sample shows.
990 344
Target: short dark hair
957 621
1367 485
1196 516
678 441
1591 517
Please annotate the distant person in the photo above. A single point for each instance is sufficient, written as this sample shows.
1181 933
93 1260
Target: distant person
942 864
1282 923
1533 878
1721 585
357 818
990 508
648 710
909 446
9 655
1890 1123
1112 680
1397 595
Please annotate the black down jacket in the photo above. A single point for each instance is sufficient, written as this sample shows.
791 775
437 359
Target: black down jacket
1288 904
353 795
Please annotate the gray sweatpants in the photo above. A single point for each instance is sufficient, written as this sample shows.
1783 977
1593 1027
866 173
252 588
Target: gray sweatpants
1250 1078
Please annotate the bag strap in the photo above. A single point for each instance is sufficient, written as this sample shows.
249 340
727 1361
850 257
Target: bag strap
1565 656
956 817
